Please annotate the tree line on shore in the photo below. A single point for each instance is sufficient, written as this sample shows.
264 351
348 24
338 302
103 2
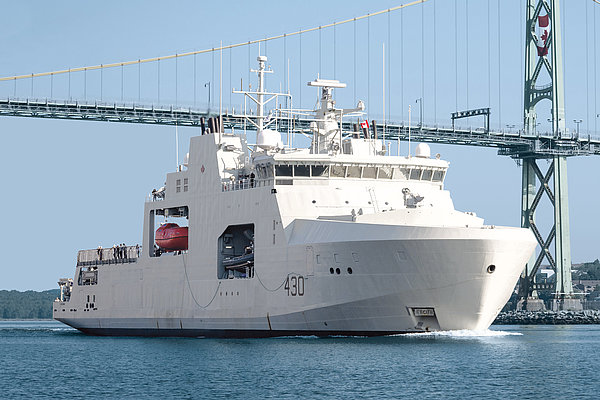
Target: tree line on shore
27 305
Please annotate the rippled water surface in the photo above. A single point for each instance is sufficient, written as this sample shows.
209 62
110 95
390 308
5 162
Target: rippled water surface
46 359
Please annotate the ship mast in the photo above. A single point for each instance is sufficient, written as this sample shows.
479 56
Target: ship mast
260 95
266 139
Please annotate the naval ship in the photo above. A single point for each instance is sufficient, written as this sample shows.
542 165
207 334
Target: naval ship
264 239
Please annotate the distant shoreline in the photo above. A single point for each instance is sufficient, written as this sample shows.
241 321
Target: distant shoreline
26 319
585 317
29 305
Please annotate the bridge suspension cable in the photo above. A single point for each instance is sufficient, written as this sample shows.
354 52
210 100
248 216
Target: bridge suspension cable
211 50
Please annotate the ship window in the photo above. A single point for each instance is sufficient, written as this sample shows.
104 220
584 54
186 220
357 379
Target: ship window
178 182
338 171
185 188
185 181
264 172
400 173
178 189
426 175
415 174
369 172
438 176
302 170
283 170
268 171
353 171
320 170
336 258
384 173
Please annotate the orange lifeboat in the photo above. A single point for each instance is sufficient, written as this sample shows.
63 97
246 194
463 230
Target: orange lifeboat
172 237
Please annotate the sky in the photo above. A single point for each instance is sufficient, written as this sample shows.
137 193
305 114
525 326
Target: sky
71 185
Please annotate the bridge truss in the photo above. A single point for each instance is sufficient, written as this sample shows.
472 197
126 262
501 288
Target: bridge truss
517 145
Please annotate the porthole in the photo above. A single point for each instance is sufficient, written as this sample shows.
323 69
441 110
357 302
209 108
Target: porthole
350 270
331 271
314 201
337 271
347 202
491 269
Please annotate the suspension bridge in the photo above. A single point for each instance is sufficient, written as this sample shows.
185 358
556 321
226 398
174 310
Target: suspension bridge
394 59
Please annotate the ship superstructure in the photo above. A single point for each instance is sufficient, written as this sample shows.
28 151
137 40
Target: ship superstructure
339 238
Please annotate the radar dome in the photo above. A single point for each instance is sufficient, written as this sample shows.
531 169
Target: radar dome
423 151
269 139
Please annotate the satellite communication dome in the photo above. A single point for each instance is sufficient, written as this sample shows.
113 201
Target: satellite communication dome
268 139
423 151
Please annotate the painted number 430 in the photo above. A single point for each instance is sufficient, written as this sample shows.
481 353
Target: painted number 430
294 285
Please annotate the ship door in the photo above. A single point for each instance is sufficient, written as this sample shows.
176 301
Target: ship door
310 257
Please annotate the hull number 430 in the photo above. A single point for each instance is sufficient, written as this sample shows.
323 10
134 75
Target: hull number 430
294 285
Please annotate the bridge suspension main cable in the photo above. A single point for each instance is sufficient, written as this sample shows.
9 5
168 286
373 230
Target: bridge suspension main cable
211 50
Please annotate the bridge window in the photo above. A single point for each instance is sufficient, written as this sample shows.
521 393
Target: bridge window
338 171
438 176
320 170
400 173
353 171
302 170
384 173
415 174
369 172
283 170
264 171
426 175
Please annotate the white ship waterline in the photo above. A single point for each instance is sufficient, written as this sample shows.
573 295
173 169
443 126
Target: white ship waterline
340 238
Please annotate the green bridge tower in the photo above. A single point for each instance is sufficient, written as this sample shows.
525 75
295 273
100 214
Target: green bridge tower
543 63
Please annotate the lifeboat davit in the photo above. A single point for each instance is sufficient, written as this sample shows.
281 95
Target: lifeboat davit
172 237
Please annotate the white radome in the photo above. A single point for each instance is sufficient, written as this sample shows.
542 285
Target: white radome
269 139
423 150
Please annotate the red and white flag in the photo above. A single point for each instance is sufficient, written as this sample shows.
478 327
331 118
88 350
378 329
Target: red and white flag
364 124
543 33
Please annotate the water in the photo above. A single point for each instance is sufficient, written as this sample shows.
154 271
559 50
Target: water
43 359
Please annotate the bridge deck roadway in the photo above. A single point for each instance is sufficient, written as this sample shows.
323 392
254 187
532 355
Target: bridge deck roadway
511 144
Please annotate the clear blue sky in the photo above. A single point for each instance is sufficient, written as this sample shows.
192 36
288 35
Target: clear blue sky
74 185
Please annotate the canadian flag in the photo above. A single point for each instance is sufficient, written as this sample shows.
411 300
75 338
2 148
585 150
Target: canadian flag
543 33
364 124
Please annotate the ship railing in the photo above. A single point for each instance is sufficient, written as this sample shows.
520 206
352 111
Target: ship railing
152 197
242 184
110 255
